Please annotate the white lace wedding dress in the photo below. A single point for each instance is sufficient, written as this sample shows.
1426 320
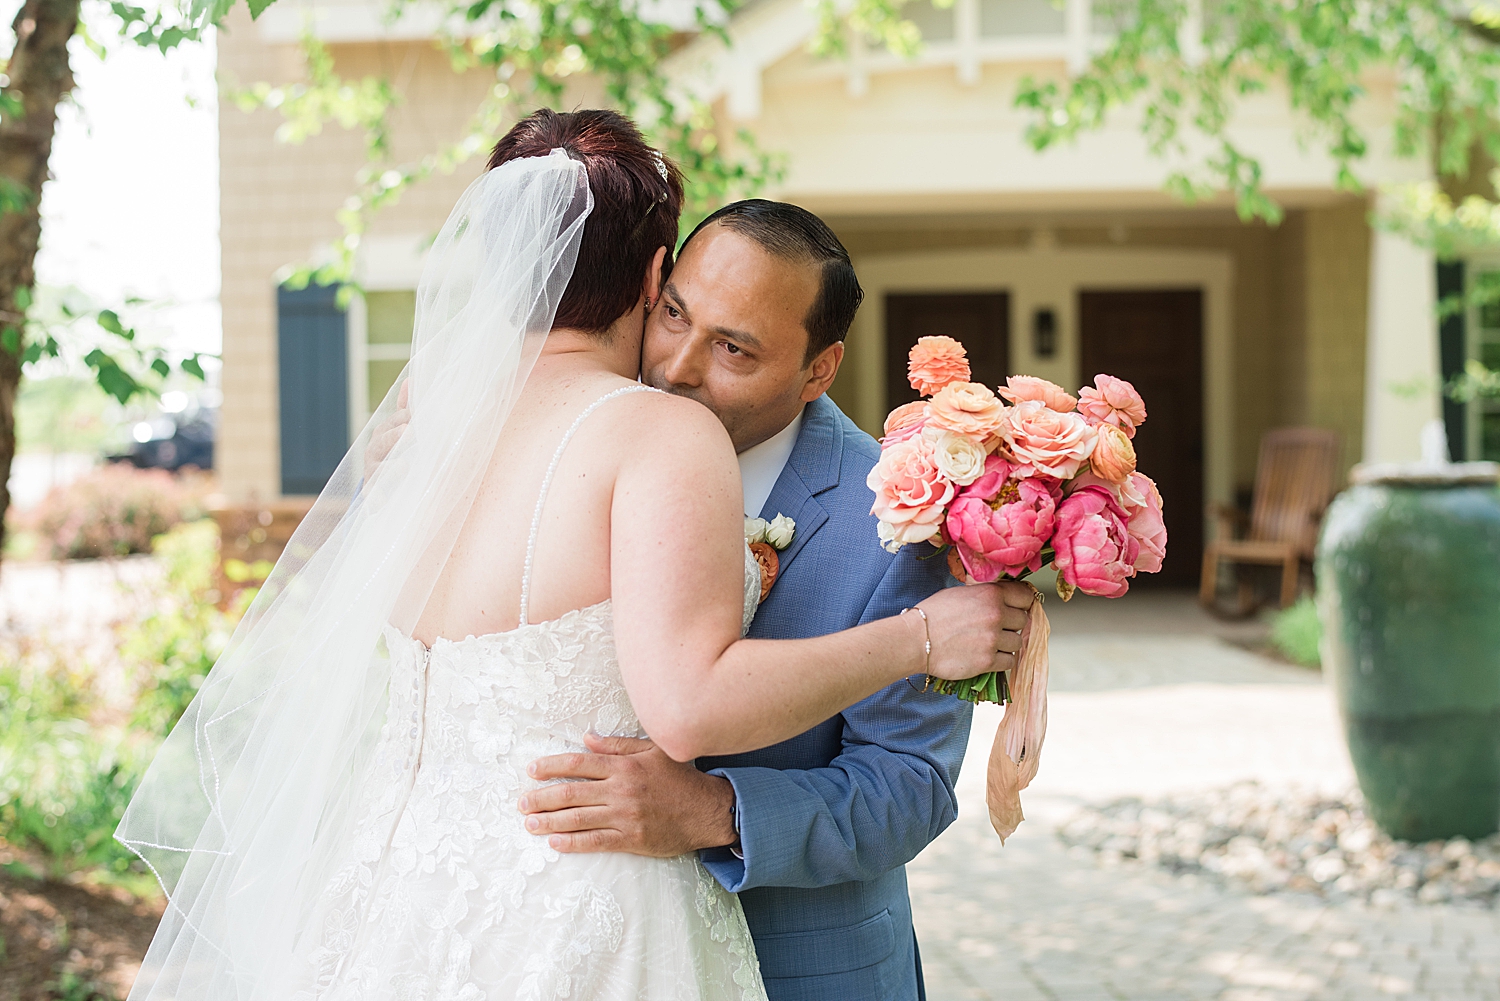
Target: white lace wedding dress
446 897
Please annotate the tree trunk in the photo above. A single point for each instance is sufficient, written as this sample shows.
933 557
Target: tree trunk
38 77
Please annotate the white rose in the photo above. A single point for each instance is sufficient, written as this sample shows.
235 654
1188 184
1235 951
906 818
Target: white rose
755 530
887 536
957 457
780 532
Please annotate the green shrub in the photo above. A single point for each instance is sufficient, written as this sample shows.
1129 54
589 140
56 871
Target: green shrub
64 782
173 649
1296 632
68 763
114 511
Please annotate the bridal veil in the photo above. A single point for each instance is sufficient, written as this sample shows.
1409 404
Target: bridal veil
250 799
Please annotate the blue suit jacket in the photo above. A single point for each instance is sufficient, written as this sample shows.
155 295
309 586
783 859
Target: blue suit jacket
828 820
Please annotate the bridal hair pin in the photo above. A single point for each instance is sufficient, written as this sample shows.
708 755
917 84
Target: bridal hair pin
661 168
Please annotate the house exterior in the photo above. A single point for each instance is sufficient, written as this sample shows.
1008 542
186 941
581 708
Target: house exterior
1059 264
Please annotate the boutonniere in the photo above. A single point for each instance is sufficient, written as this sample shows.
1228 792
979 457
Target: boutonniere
766 539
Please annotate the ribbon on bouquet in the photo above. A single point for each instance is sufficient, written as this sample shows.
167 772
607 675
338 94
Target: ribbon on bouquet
1017 751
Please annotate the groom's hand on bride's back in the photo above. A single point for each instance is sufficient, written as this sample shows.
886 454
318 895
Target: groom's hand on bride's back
628 796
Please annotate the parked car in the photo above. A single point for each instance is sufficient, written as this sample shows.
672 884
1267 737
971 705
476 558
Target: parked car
172 440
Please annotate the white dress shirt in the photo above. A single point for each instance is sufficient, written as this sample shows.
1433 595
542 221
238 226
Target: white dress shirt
761 465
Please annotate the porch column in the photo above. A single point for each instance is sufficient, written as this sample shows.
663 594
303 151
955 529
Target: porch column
1401 369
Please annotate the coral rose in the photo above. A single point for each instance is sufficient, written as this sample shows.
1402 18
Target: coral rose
934 362
999 524
1019 388
1095 551
1146 525
1045 442
1113 457
910 493
966 408
904 422
1112 401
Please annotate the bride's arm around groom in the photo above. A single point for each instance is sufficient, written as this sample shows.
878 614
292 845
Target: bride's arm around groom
812 832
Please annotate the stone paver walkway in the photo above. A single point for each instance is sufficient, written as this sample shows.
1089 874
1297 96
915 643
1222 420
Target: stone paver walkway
1147 703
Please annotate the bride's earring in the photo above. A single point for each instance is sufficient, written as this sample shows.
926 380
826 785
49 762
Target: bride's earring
648 304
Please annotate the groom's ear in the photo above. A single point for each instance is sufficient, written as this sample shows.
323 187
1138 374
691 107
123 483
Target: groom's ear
821 372
651 288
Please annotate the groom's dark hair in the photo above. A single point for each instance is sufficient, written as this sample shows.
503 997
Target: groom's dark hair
795 234
637 199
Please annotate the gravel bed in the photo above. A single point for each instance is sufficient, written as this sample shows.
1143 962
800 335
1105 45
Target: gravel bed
1289 842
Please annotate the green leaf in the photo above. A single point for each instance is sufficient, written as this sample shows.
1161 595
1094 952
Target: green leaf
113 379
193 367
111 322
22 298
161 368
10 340
14 196
257 7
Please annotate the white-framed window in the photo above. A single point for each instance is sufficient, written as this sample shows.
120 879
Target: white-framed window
380 320
380 327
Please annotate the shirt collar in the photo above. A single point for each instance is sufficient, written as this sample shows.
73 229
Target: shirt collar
761 465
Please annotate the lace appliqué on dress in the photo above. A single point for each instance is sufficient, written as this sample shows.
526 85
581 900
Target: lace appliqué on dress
446 897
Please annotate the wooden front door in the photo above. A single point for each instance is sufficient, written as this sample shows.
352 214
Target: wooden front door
980 320
1154 339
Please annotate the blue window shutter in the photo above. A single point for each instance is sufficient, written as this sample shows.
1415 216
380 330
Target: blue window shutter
313 361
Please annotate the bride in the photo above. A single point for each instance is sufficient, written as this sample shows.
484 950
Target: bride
550 548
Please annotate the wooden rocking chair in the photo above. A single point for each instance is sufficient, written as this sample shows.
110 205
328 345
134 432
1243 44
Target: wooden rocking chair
1293 484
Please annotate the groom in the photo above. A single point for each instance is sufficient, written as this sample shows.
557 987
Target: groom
813 833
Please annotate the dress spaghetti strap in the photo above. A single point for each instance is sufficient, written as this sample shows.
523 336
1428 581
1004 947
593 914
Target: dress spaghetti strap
536 517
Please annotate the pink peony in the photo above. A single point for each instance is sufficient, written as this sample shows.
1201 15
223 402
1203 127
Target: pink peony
904 422
910 493
934 362
999 524
1145 523
1019 388
1045 442
966 408
1114 401
1095 551
1113 457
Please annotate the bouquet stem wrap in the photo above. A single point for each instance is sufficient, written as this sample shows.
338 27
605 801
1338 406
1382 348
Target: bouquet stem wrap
1017 750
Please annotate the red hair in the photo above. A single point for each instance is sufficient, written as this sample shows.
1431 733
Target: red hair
637 199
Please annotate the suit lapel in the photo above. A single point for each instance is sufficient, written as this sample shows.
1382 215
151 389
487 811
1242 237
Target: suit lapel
812 469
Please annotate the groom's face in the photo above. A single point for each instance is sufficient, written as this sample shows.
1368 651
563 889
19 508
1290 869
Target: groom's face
728 333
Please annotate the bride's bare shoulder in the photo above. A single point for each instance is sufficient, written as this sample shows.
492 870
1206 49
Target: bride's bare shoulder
657 422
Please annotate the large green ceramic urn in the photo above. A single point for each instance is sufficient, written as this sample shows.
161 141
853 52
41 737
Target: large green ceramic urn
1409 596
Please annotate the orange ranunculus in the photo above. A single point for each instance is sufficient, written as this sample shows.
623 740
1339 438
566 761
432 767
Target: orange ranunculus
967 408
1113 457
1028 387
904 422
935 362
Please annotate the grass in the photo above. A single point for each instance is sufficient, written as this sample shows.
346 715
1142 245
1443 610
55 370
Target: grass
1296 633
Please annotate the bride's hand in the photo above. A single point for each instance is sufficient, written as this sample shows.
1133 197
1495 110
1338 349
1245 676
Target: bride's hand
975 629
384 437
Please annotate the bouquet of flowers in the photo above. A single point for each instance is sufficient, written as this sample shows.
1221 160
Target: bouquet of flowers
1007 483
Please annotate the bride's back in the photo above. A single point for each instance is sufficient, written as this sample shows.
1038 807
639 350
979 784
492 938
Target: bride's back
480 588
594 348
